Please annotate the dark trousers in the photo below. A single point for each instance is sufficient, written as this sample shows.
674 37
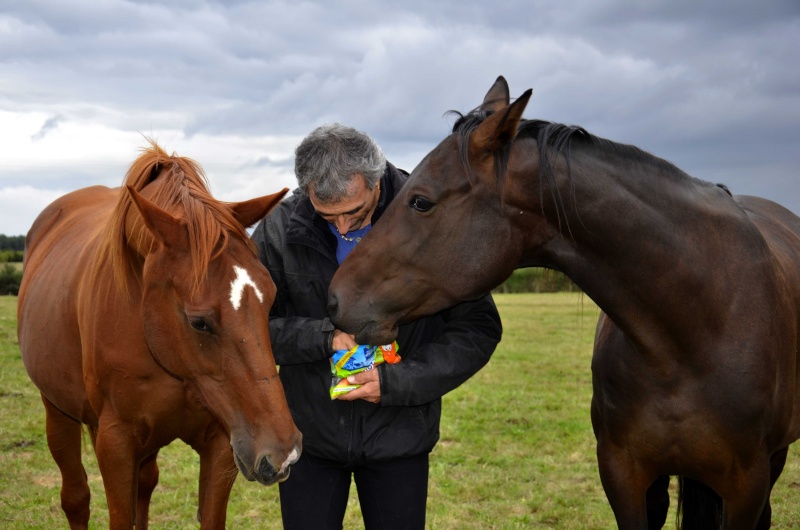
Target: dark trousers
392 493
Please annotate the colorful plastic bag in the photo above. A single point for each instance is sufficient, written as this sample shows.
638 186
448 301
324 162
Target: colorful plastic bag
358 359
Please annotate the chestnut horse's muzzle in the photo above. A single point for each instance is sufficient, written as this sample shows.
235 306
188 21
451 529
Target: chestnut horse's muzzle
265 471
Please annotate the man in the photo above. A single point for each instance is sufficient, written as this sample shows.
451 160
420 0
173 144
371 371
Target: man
382 432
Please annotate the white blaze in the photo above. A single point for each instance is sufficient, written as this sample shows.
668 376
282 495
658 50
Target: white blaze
238 284
291 459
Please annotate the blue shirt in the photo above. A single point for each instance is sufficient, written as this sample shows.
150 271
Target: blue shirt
348 241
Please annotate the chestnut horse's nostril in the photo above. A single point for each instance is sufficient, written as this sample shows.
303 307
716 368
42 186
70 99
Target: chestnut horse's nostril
266 472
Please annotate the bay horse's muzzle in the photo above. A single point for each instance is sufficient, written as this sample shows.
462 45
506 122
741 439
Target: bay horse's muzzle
361 320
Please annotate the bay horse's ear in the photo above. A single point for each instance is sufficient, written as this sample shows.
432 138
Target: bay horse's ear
250 212
498 129
169 230
498 96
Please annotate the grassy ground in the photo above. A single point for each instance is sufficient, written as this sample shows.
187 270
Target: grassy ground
517 449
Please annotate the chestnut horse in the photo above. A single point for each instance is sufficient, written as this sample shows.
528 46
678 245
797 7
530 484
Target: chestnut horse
695 370
143 313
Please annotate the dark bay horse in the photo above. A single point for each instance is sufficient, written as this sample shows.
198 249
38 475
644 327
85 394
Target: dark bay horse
696 369
143 313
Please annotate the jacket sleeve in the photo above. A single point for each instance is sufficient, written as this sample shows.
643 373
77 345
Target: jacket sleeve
297 340
294 339
464 345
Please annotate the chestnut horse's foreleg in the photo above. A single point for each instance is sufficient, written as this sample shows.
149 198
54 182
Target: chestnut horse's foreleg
64 441
217 475
117 460
148 479
625 484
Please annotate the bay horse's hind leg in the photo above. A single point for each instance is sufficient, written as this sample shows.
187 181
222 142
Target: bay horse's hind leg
699 506
64 441
776 463
658 502
148 479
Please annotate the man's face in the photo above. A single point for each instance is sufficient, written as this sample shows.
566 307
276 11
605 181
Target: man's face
352 212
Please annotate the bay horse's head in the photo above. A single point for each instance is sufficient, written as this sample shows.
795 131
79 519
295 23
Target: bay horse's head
437 243
204 303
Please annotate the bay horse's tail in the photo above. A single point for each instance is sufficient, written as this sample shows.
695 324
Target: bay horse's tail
699 507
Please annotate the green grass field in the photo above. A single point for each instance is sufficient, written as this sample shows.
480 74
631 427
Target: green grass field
516 449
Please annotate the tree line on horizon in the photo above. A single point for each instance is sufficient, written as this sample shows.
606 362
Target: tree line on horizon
534 280
11 248
12 242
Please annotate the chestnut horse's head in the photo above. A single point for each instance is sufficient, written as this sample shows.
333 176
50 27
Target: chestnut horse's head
437 244
205 301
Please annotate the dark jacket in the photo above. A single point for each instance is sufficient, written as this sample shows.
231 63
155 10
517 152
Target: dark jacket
438 352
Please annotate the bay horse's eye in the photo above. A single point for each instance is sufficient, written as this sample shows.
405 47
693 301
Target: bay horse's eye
200 324
421 204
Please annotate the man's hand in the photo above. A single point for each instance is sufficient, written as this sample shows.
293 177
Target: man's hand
370 389
342 340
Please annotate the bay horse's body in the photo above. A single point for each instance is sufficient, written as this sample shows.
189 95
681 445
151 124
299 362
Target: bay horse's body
143 313
695 370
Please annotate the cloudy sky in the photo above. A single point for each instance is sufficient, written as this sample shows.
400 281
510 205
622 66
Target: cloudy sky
714 87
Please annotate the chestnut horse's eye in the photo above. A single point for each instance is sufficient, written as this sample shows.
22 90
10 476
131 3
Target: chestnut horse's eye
420 204
200 324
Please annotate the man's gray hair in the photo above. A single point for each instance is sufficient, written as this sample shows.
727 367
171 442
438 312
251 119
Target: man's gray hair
328 158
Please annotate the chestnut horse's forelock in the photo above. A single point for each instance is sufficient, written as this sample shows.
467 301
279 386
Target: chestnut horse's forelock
181 189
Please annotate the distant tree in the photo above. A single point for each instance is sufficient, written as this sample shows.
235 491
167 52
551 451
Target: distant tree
536 280
10 256
10 278
12 242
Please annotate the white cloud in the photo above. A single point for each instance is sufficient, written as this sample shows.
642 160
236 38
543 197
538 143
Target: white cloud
16 205
35 169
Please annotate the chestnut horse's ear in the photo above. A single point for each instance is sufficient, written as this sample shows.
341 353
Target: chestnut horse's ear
498 96
169 230
250 212
498 129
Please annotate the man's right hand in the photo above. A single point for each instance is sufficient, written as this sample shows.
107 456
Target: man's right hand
342 340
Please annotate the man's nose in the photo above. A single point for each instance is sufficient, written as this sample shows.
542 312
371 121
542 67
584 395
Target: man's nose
342 225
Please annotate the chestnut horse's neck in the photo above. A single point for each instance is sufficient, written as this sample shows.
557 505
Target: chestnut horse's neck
641 238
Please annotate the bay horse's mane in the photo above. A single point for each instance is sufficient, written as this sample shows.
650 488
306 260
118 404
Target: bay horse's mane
554 140
182 190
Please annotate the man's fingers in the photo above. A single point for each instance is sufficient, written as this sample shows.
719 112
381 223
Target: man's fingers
363 377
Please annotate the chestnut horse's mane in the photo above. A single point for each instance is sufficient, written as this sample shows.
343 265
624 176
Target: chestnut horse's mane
181 188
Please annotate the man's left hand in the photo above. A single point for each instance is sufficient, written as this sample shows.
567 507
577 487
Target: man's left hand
370 389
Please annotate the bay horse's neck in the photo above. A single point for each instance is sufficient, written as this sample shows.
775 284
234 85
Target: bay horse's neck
644 241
